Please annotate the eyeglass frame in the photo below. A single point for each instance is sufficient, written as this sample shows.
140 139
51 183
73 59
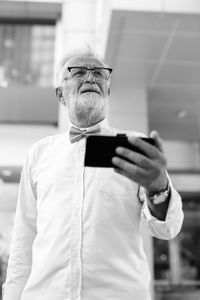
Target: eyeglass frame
57 90
90 69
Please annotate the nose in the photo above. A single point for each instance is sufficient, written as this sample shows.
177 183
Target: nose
90 76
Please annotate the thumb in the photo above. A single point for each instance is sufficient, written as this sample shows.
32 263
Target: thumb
158 142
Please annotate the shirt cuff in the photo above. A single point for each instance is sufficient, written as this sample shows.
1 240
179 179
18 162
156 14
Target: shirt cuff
175 204
172 224
10 292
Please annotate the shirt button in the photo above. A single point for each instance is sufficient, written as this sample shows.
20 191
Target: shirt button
75 254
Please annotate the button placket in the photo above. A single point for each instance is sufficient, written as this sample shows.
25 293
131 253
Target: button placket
76 231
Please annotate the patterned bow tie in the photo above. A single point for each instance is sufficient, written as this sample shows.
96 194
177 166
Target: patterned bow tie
76 134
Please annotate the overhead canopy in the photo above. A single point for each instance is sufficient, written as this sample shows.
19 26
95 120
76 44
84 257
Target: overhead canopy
29 10
160 52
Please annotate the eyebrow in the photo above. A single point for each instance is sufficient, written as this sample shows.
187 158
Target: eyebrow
88 67
91 66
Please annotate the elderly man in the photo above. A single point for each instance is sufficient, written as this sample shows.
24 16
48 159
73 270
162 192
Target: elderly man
77 233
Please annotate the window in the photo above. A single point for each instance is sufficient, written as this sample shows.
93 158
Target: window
27 65
177 262
26 54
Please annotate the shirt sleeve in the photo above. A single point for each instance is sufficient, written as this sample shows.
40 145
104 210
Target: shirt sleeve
24 232
169 228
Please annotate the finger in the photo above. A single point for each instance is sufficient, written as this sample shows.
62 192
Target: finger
131 170
158 141
137 158
119 171
148 149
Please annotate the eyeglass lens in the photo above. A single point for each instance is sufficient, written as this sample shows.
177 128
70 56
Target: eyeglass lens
82 72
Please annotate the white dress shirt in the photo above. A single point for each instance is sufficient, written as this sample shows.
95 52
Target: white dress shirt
77 232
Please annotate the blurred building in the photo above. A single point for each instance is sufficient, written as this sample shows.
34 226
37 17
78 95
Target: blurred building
154 48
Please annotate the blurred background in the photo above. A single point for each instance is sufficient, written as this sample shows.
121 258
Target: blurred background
154 48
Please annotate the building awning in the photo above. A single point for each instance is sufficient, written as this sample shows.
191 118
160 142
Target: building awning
30 11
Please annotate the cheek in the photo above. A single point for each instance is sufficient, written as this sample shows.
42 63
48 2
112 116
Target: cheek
105 89
70 90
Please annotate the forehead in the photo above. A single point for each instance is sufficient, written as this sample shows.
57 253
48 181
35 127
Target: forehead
84 62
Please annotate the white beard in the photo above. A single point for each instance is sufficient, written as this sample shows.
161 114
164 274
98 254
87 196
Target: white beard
88 108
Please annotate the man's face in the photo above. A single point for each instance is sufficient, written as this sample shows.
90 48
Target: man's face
86 98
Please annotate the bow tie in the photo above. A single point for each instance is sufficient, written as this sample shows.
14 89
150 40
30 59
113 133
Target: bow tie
75 134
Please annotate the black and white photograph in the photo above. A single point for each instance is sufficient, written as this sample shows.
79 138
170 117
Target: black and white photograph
99 150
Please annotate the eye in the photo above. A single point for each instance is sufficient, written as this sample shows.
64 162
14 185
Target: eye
98 73
78 72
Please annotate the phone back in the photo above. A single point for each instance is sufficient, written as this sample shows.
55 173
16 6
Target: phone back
101 149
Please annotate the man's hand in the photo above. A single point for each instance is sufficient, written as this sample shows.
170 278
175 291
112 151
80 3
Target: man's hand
147 170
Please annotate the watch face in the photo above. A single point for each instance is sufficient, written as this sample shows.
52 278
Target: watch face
160 198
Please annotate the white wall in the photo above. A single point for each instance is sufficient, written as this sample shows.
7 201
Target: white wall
184 6
15 141
128 109
182 155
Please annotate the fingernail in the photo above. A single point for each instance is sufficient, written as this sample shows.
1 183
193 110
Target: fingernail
132 139
119 150
115 160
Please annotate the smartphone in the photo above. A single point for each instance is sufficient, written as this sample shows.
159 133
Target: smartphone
101 149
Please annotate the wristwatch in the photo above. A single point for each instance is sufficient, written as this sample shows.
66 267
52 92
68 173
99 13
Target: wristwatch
159 197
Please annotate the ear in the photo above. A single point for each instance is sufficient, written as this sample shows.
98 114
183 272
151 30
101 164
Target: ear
59 94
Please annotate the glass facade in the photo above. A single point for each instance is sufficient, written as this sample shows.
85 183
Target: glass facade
26 54
177 262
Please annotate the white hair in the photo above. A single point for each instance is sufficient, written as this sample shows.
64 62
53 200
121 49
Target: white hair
86 51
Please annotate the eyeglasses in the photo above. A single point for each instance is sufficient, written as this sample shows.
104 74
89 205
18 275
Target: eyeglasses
99 73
